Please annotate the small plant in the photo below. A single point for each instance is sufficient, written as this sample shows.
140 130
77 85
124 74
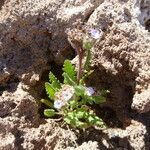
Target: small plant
72 99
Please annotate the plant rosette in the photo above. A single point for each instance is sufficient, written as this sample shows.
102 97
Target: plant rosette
72 99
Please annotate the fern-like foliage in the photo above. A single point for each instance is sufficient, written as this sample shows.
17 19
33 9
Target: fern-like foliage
69 69
68 80
49 90
53 86
54 81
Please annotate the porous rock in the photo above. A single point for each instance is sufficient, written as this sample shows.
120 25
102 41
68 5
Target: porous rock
33 35
22 128
128 138
124 49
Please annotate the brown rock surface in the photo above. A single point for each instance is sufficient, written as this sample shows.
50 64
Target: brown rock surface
33 40
124 50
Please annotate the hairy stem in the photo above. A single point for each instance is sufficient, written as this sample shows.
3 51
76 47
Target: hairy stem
79 73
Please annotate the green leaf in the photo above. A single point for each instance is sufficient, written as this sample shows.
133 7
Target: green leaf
87 45
95 120
49 112
68 80
99 99
54 81
80 114
74 121
69 69
73 104
47 102
79 90
67 120
82 118
85 76
81 124
94 99
70 118
89 99
49 90
99 122
71 115
91 119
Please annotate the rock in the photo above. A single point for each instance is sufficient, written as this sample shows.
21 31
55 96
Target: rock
7 141
33 39
124 50
47 136
137 132
86 146
4 74
33 34
19 104
128 138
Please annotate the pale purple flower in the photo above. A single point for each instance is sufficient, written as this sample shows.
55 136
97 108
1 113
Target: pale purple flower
95 33
65 94
58 104
90 91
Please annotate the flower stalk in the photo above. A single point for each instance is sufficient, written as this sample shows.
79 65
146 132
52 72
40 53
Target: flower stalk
80 70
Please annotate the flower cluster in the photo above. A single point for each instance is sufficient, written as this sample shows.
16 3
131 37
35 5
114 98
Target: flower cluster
63 96
66 94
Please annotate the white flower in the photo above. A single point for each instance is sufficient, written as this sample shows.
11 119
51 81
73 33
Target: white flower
58 104
90 91
65 94
95 33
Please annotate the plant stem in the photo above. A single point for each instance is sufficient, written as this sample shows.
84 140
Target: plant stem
79 73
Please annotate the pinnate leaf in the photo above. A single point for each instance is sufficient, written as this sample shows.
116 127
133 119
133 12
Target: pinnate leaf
67 120
68 80
54 81
74 121
69 69
49 90
81 124
95 120
81 113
